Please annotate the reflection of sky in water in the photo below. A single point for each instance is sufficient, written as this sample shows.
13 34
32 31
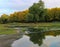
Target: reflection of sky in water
50 41
57 44
24 42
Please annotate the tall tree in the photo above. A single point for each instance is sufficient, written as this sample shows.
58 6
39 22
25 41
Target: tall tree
37 9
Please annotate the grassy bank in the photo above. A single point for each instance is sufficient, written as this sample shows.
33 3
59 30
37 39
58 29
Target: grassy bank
10 31
5 30
36 24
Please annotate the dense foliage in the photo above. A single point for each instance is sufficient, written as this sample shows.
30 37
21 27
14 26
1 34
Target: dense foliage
36 13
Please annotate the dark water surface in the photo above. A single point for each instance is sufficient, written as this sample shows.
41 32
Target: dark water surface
36 38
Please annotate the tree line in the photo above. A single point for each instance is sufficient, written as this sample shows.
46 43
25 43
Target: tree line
36 13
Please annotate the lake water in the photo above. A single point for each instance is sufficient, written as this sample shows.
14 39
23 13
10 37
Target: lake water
36 38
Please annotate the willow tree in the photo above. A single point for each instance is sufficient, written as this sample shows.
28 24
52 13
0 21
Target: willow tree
37 10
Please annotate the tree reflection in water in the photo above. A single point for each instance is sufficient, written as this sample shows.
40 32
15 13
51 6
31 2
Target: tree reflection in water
37 38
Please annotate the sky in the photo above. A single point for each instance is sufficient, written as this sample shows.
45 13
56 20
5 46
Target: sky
10 6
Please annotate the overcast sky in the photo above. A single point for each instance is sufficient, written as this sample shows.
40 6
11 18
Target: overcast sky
10 6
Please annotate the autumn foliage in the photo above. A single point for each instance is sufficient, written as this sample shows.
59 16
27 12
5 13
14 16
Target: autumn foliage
36 13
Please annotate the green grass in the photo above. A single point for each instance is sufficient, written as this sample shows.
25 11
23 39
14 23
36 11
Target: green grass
9 31
5 30
37 24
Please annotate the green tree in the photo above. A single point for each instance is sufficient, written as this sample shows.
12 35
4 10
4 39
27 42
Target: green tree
29 18
53 14
4 18
37 9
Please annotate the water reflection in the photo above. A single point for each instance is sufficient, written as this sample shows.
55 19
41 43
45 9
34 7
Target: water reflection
35 37
39 38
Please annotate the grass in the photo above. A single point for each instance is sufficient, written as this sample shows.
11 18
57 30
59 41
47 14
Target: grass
53 24
6 30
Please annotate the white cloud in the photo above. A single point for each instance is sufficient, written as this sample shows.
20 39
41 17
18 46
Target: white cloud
8 6
18 5
52 3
